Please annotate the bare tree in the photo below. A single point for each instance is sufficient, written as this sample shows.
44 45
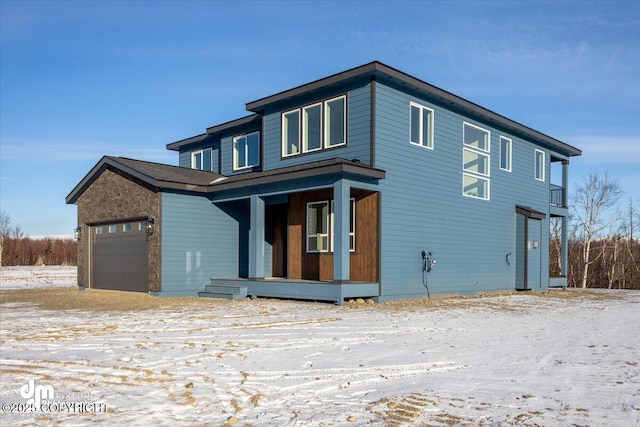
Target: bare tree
5 229
593 201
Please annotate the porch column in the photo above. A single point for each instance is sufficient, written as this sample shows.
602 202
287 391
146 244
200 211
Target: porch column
565 183
341 219
256 238
564 247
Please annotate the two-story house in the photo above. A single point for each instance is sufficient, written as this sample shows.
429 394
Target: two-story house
350 186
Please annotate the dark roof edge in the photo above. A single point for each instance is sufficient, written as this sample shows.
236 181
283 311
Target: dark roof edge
376 67
530 212
323 167
257 105
91 176
231 124
191 140
114 162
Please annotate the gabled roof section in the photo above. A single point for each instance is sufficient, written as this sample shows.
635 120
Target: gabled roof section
160 176
384 73
157 175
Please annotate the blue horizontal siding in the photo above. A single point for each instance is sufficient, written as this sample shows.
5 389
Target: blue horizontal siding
199 241
423 207
358 130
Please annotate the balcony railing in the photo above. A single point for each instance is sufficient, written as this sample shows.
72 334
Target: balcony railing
557 196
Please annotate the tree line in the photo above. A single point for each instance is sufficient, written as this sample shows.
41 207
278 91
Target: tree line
18 249
603 249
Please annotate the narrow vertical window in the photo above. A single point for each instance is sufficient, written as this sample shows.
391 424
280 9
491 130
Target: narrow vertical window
126 227
476 162
291 133
335 122
539 165
318 227
505 154
312 127
421 125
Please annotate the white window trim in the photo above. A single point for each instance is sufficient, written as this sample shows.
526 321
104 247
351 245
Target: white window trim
303 127
193 158
480 177
480 151
302 149
112 229
488 150
510 143
284 145
126 229
543 165
353 220
201 152
430 141
318 235
246 153
325 123
99 229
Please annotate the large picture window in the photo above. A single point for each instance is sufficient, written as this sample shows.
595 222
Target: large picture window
201 159
476 162
320 226
421 125
314 127
246 151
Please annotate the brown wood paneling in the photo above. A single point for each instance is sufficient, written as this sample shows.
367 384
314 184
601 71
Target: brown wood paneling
364 262
294 236
276 218
315 266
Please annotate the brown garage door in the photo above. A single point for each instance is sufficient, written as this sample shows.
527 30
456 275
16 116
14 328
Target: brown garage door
120 257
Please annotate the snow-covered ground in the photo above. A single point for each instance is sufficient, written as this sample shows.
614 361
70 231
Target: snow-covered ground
500 360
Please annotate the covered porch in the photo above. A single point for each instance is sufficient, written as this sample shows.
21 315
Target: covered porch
309 237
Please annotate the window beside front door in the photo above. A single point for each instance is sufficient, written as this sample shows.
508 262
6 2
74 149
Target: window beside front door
320 226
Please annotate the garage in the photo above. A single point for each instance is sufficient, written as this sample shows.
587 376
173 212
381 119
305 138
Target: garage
119 256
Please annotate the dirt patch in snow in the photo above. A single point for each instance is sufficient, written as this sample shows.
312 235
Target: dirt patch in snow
97 300
70 298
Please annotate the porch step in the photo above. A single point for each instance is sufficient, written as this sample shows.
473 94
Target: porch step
224 291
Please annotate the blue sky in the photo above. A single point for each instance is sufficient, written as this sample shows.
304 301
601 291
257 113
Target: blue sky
80 80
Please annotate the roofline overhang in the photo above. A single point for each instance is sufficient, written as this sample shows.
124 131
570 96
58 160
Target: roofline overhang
296 172
380 70
530 212
175 146
107 161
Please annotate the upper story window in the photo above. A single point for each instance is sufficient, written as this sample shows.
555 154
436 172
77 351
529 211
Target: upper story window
421 125
476 162
505 154
539 165
201 159
246 151
314 127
